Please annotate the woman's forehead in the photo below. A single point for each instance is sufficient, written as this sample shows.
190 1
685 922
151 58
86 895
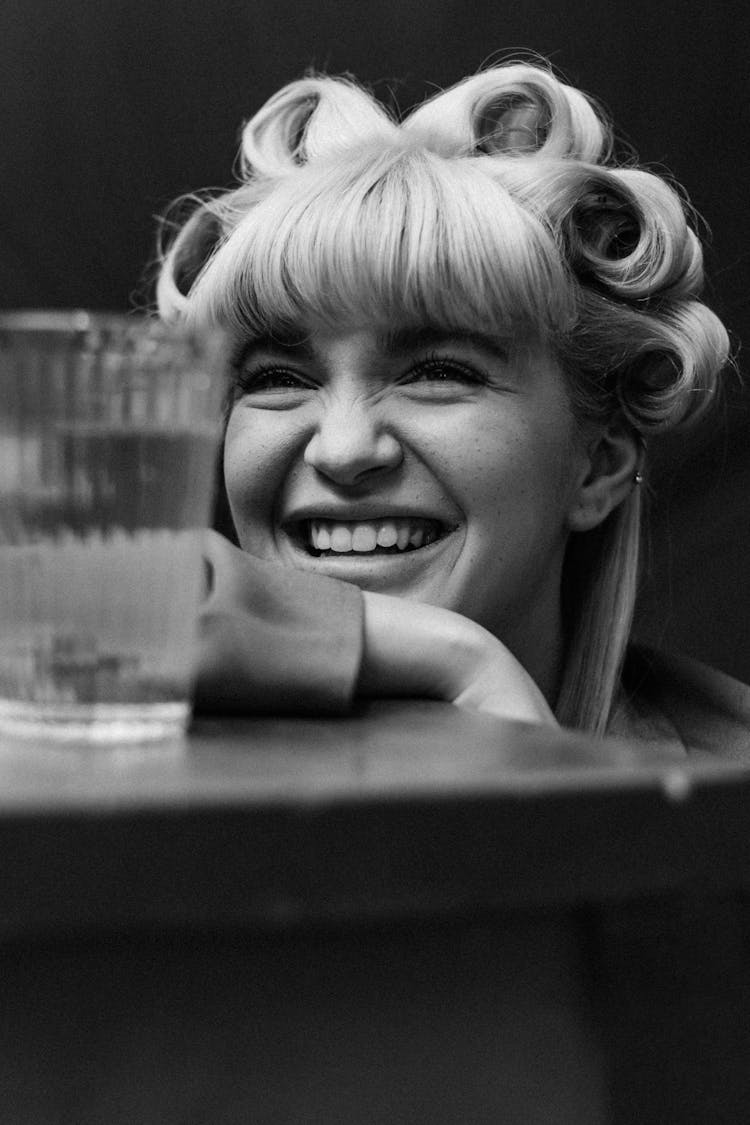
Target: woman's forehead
374 343
394 337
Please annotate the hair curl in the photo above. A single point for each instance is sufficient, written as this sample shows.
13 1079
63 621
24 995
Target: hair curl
497 201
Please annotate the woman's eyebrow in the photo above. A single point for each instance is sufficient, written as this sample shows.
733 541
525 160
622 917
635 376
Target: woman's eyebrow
297 346
404 340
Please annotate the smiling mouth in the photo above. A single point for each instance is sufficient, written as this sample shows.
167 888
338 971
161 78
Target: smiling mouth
388 536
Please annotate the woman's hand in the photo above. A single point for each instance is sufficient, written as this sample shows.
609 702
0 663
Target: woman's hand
277 641
422 650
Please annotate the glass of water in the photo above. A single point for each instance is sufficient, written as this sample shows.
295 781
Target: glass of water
109 434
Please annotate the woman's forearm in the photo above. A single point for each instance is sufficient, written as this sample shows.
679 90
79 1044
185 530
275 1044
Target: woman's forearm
411 649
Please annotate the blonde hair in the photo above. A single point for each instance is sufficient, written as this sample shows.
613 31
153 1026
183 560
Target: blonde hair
497 203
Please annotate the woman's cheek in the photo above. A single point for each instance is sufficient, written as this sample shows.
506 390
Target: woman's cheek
249 447
262 452
246 474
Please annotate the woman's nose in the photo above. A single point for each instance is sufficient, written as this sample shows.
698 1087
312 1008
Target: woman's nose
350 442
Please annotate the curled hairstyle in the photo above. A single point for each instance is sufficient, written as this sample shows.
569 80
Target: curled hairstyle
498 205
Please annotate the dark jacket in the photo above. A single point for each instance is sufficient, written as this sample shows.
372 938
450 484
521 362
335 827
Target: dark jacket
678 703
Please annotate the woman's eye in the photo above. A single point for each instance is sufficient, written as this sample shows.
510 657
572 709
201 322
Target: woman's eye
444 371
266 380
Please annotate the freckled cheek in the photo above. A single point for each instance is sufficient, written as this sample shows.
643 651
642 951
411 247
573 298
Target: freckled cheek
256 463
485 471
507 483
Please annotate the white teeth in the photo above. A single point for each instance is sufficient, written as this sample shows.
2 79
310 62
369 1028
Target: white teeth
321 537
341 539
366 537
387 535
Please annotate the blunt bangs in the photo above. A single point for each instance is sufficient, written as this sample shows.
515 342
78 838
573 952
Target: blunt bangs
403 236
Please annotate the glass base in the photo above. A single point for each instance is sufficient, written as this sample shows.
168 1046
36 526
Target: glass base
102 723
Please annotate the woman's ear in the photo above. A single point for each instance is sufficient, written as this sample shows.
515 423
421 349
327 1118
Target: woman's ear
611 472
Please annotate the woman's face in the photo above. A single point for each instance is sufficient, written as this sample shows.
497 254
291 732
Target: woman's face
436 468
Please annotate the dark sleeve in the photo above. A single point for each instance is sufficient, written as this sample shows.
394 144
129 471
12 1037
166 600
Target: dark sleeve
709 710
275 640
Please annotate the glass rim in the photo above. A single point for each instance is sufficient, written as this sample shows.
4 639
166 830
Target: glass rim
72 320
82 321
91 327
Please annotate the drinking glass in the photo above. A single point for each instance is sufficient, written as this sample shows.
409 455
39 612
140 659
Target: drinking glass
109 431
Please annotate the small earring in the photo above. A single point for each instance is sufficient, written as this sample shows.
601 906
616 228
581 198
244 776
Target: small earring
638 477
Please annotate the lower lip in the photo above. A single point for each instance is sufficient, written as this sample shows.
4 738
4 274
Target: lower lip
373 571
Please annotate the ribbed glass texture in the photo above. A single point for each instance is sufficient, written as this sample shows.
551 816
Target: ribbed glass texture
109 431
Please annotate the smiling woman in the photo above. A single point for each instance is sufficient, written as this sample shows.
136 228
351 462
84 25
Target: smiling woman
441 473
453 337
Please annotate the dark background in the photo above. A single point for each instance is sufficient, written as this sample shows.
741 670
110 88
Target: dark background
109 109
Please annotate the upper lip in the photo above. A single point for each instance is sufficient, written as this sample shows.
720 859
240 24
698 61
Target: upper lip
363 513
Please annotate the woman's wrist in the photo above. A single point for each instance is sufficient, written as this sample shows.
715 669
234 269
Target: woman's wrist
412 649
415 649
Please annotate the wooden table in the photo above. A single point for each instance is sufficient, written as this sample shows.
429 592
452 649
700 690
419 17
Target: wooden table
411 915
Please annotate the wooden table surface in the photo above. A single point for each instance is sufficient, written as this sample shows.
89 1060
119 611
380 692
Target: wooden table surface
410 915
407 807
